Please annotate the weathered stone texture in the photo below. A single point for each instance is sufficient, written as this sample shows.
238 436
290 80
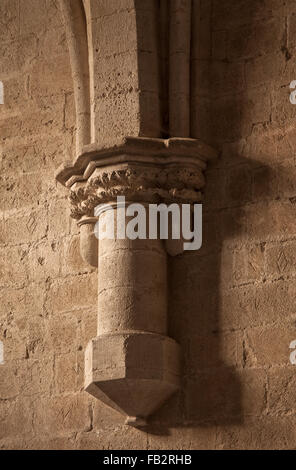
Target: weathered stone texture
231 306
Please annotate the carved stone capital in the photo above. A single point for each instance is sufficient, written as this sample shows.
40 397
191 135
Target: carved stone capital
141 169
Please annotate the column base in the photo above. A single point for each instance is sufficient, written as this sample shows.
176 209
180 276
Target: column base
134 373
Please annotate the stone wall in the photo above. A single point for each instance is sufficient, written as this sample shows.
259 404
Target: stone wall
232 305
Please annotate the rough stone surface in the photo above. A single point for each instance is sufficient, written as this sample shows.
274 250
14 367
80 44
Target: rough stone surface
231 305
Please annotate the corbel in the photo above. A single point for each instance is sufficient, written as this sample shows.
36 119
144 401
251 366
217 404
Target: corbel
133 365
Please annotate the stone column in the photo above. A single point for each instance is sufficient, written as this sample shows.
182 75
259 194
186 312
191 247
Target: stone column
132 365
132 361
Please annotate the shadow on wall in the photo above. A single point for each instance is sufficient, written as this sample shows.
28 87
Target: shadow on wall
211 291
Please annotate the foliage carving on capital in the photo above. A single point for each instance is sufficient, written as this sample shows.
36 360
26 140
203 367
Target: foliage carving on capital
137 183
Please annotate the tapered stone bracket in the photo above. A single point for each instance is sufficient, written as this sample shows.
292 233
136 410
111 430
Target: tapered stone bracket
132 365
